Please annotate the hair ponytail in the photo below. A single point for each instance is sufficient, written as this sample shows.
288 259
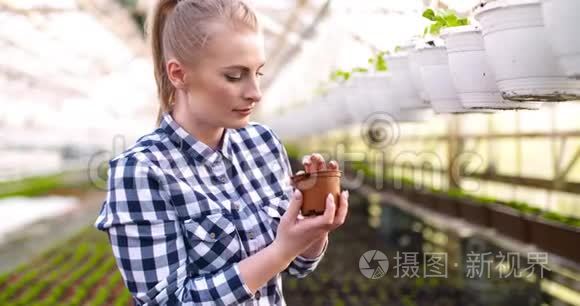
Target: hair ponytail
165 89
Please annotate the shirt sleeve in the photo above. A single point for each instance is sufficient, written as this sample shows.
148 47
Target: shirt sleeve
148 244
301 266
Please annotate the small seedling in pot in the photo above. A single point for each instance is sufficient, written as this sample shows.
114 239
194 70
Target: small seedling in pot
442 19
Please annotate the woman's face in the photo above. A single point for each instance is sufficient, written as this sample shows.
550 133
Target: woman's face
224 85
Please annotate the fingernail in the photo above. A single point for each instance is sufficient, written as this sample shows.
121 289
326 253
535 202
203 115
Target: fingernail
329 198
347 194
297 194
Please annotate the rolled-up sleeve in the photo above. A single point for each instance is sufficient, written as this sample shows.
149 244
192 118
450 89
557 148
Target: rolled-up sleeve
148 244
301 266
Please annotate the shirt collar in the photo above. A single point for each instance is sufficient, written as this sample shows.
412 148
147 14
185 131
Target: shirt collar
200 151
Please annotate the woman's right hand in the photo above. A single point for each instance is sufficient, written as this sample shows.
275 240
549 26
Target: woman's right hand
296 234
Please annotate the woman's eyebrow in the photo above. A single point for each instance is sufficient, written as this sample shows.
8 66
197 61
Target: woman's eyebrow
242 67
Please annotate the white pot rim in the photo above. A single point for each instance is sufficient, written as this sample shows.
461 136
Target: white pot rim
459 30
431 48
396 56
423 43
489 5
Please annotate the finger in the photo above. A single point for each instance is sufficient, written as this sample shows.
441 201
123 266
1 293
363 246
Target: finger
307 163
342 209
294 206
330 210
332 165
320 222
318 161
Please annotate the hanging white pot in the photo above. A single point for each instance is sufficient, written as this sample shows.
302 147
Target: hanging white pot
561 18
472 76
316 120
415 115
517 48
337 107
381 93
416 80
436 79
358 97
403 86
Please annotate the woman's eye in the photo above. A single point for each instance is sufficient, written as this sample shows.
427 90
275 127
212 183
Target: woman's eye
260 74
232 78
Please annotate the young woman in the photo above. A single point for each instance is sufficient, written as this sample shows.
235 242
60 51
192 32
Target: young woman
201 210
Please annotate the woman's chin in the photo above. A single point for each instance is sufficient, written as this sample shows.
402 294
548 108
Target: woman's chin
240 123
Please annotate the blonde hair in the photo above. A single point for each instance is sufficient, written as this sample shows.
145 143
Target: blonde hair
180 28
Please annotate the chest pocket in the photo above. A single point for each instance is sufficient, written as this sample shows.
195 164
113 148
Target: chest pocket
213 241
273 209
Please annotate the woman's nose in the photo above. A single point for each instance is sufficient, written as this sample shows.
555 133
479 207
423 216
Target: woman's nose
253 92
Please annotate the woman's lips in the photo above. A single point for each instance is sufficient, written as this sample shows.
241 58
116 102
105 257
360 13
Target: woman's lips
245 111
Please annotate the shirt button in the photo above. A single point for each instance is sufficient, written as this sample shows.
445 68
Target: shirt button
251 235
235 206
258 295
212 235
222 179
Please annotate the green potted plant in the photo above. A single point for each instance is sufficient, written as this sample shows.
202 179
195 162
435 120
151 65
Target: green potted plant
441 19
434 68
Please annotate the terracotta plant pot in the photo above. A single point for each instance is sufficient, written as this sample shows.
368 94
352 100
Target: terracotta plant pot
315 187
556 238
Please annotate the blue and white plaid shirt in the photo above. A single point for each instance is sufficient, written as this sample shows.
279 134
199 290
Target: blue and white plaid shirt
181 216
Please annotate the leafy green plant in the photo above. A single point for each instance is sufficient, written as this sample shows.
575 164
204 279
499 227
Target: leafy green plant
123 299
378 61
550 215
339 75
456 193
442 19
484 199
524 207
31 186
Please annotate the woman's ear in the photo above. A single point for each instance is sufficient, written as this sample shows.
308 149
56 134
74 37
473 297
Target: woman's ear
176 73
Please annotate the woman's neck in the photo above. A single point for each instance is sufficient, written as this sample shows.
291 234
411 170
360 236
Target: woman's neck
209 135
